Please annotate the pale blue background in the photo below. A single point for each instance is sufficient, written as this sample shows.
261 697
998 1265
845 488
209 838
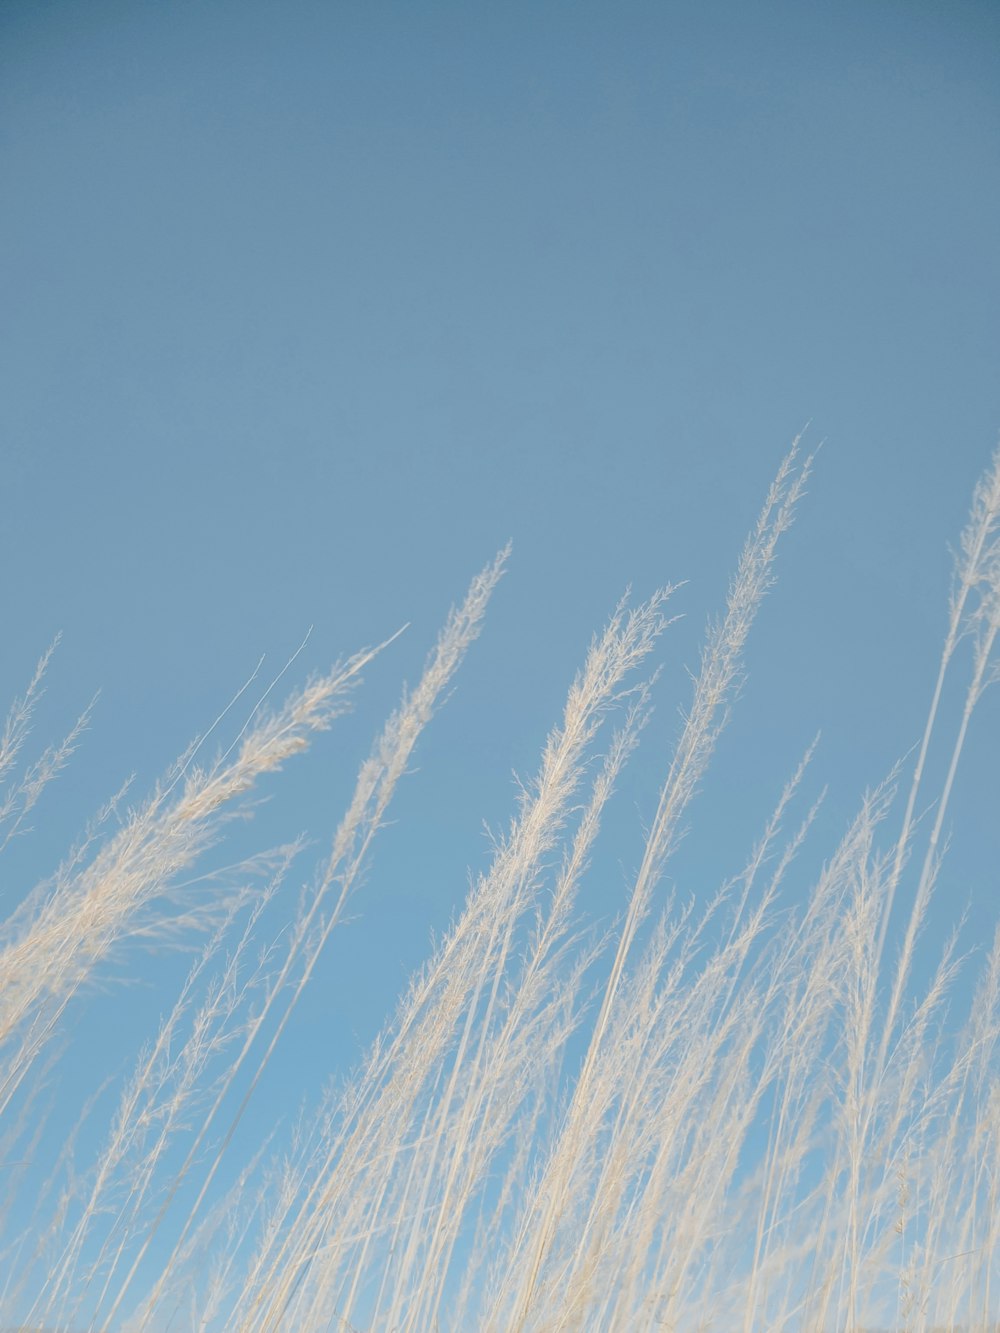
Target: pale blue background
308 308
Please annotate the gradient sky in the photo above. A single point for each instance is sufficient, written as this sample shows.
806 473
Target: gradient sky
310 307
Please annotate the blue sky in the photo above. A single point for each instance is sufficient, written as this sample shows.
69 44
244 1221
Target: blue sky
309 308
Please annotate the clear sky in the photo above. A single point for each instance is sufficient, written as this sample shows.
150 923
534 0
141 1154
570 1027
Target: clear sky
308 308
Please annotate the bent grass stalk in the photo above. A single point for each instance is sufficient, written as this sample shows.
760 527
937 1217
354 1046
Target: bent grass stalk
376 784
719 672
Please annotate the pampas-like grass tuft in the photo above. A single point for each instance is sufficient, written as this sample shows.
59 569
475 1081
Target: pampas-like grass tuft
738 1113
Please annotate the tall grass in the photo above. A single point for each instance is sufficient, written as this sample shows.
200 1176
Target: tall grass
742 1112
